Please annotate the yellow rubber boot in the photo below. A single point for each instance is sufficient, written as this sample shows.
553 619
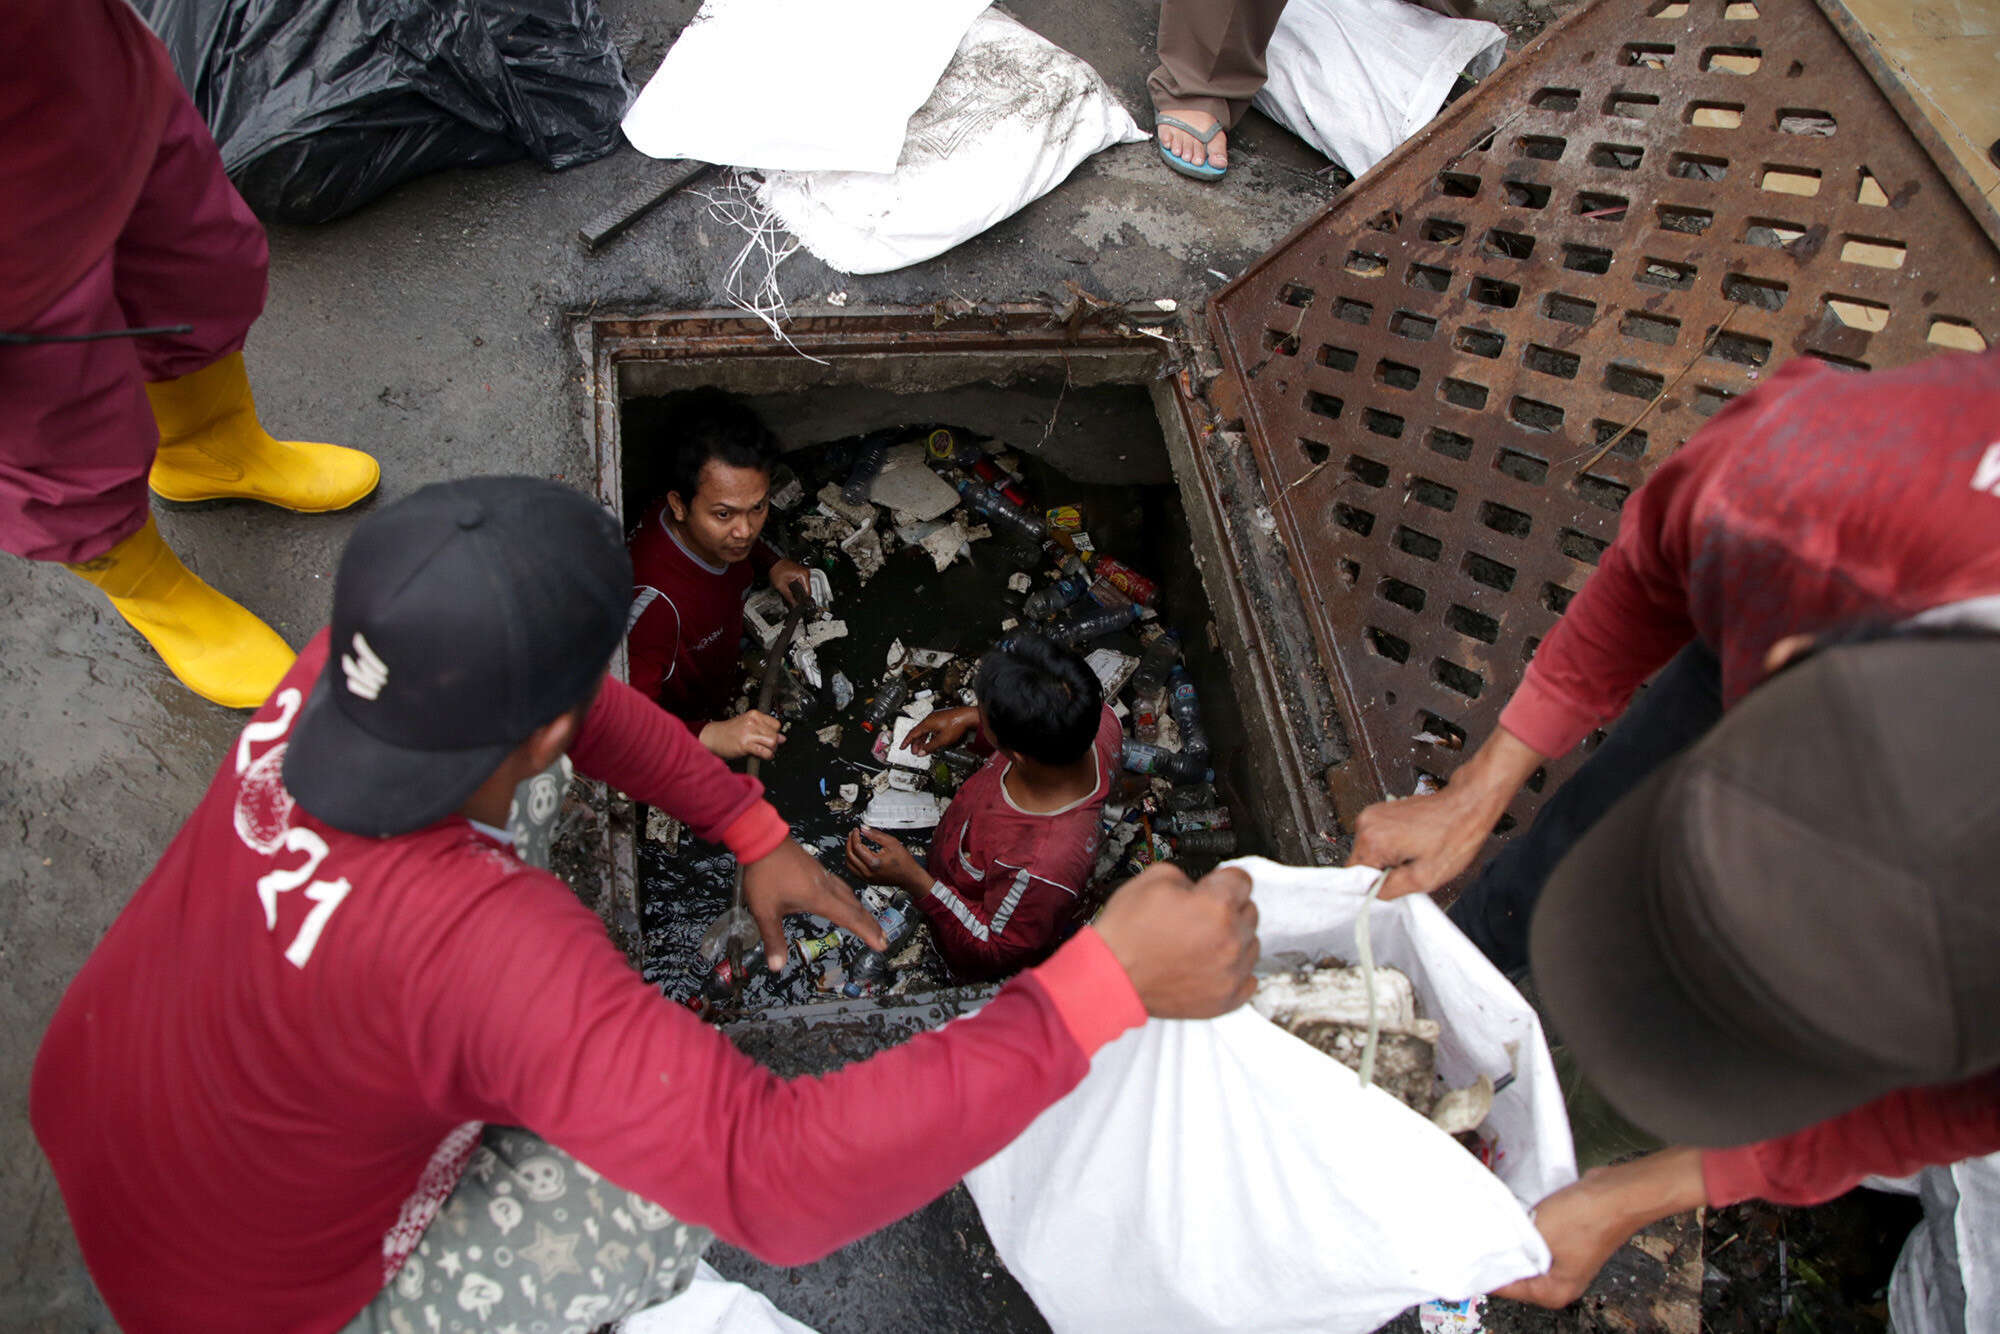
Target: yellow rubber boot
217 649
212 448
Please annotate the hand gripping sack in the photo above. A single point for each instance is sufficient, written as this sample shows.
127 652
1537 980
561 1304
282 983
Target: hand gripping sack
1223 1175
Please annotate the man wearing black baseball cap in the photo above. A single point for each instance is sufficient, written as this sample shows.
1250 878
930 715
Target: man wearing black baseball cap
1782 945
340 986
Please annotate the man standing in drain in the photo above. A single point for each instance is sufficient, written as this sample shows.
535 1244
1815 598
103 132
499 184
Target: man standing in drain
346 1063
130 271
694 556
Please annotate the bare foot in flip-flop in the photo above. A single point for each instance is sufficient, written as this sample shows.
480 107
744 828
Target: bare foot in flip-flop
1186 146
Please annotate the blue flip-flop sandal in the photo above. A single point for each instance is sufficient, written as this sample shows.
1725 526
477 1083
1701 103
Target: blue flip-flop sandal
1201 171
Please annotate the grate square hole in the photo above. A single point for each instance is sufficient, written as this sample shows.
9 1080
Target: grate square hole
1551 361
1664 9
1417 328
1740 11
1708 400
1283 343
1350 572
1958 334
1569 309
1616 157
1296 294
1440 731
1853 312
1434 494
1830 358
1522 467
1354 519
1535 415
1458 184
1580 546
1463 394
1621 377
1875 252
1385 645
1352 311
1556 598
1626 105
1454 677
1741 60
1479 342
1472 624
1684 219
1646 55
1323 405
1631 445
1449 443
1503 244
1586 259
1407 596
1396 375
1488 572
1337 358
1781 180
1668 273
1763 294
1427 278
1741 349
1715 115
1524 194
1364 265
1661 329
1600 207
1443 231
1367 471
1869 191
1807 122
1505 519
1495 293
1504 826
1602 492
1777 234
1697 167
1538 780
1382 423
1416 542
1542 147
1315 453
1556 99
1388 220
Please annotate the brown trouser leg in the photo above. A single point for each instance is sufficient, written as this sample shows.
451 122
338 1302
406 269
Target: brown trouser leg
1212 55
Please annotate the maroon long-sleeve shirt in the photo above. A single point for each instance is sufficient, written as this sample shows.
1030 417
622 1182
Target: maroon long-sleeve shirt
269 1074
685 625
1822 500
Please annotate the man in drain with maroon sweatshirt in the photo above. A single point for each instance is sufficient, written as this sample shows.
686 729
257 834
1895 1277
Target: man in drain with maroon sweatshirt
694 556
345 1062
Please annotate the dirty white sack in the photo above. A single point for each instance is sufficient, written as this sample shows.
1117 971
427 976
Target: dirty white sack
713 1305
802 85
1224 1175
1354 78
1012 116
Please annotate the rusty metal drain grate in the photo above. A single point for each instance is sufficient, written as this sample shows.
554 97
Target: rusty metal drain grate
1454 377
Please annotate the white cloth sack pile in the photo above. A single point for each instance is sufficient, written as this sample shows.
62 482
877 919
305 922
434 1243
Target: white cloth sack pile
1009 120
805 85
713 1305
1354 78
1224 1175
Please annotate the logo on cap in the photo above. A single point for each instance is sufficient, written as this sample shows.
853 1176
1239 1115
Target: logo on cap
365 671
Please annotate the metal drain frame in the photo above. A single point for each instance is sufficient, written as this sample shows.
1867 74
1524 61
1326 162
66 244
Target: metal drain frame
1414 407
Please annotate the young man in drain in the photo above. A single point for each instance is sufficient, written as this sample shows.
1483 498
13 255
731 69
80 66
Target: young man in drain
694 556
346 1062
1011 858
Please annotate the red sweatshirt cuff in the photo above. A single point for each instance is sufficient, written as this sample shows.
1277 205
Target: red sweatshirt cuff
1733 1175
756 833
1090 990
1549 722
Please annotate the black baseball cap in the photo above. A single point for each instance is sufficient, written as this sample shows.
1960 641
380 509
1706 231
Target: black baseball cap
465 616
1800 913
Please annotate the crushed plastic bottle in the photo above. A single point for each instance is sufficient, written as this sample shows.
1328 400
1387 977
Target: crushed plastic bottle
867 463
986 502
889 698
1174 766
1208 843
1186 822
1095 624
1200 796
1187 714
1046 602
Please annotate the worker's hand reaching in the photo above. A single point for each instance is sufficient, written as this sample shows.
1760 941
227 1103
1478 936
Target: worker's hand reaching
789 879
1188 948
793 581
1585 1222
748 733
1423 842
941 728
893 865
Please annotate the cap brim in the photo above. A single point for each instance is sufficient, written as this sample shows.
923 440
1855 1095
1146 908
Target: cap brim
362 785
1614 996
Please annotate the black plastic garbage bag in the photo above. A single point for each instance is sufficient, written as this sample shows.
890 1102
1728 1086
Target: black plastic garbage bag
321 105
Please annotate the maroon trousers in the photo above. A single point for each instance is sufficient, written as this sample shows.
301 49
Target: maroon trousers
76 432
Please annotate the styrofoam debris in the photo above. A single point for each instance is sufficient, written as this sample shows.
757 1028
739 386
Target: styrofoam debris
829 735
815 633
1009 624
1112 669
850 792
788 493
907 485
662 828
903 780
1019 581
945 543
807 662
859 513
865 550
764 612
929 657
824 527
896 754
903 810
843 690
897 655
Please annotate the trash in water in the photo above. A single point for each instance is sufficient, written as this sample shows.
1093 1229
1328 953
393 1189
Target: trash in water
903 810
1112 669
865 549
764 612
929 657
1019 582
829 735
786 488
859 513
815 633
907 485
843 691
